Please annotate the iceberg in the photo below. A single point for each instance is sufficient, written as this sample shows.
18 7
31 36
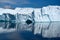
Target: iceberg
44 14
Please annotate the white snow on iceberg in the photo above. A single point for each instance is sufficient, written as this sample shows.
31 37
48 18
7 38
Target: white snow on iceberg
44 14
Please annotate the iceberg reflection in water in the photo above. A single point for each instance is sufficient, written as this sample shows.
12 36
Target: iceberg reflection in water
33 31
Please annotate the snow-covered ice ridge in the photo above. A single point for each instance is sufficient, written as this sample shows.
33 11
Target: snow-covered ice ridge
44 14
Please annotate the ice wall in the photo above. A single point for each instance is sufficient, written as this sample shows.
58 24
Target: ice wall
44 14
39 17
24 14
53 12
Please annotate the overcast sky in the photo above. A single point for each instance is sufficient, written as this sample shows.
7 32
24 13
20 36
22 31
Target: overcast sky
27 3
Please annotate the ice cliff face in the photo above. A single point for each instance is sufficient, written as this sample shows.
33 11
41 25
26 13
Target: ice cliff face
53 12
39 17
24 14
44 14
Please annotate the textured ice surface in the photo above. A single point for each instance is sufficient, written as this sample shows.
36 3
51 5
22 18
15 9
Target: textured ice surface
39 17
2 17
10 11
44 14
24 14
52 11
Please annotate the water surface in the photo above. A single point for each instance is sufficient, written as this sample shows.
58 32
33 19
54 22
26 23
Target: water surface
33 31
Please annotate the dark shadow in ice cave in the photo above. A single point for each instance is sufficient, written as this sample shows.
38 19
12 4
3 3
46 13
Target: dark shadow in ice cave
28 21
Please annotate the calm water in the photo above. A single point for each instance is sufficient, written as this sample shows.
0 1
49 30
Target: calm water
33 31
